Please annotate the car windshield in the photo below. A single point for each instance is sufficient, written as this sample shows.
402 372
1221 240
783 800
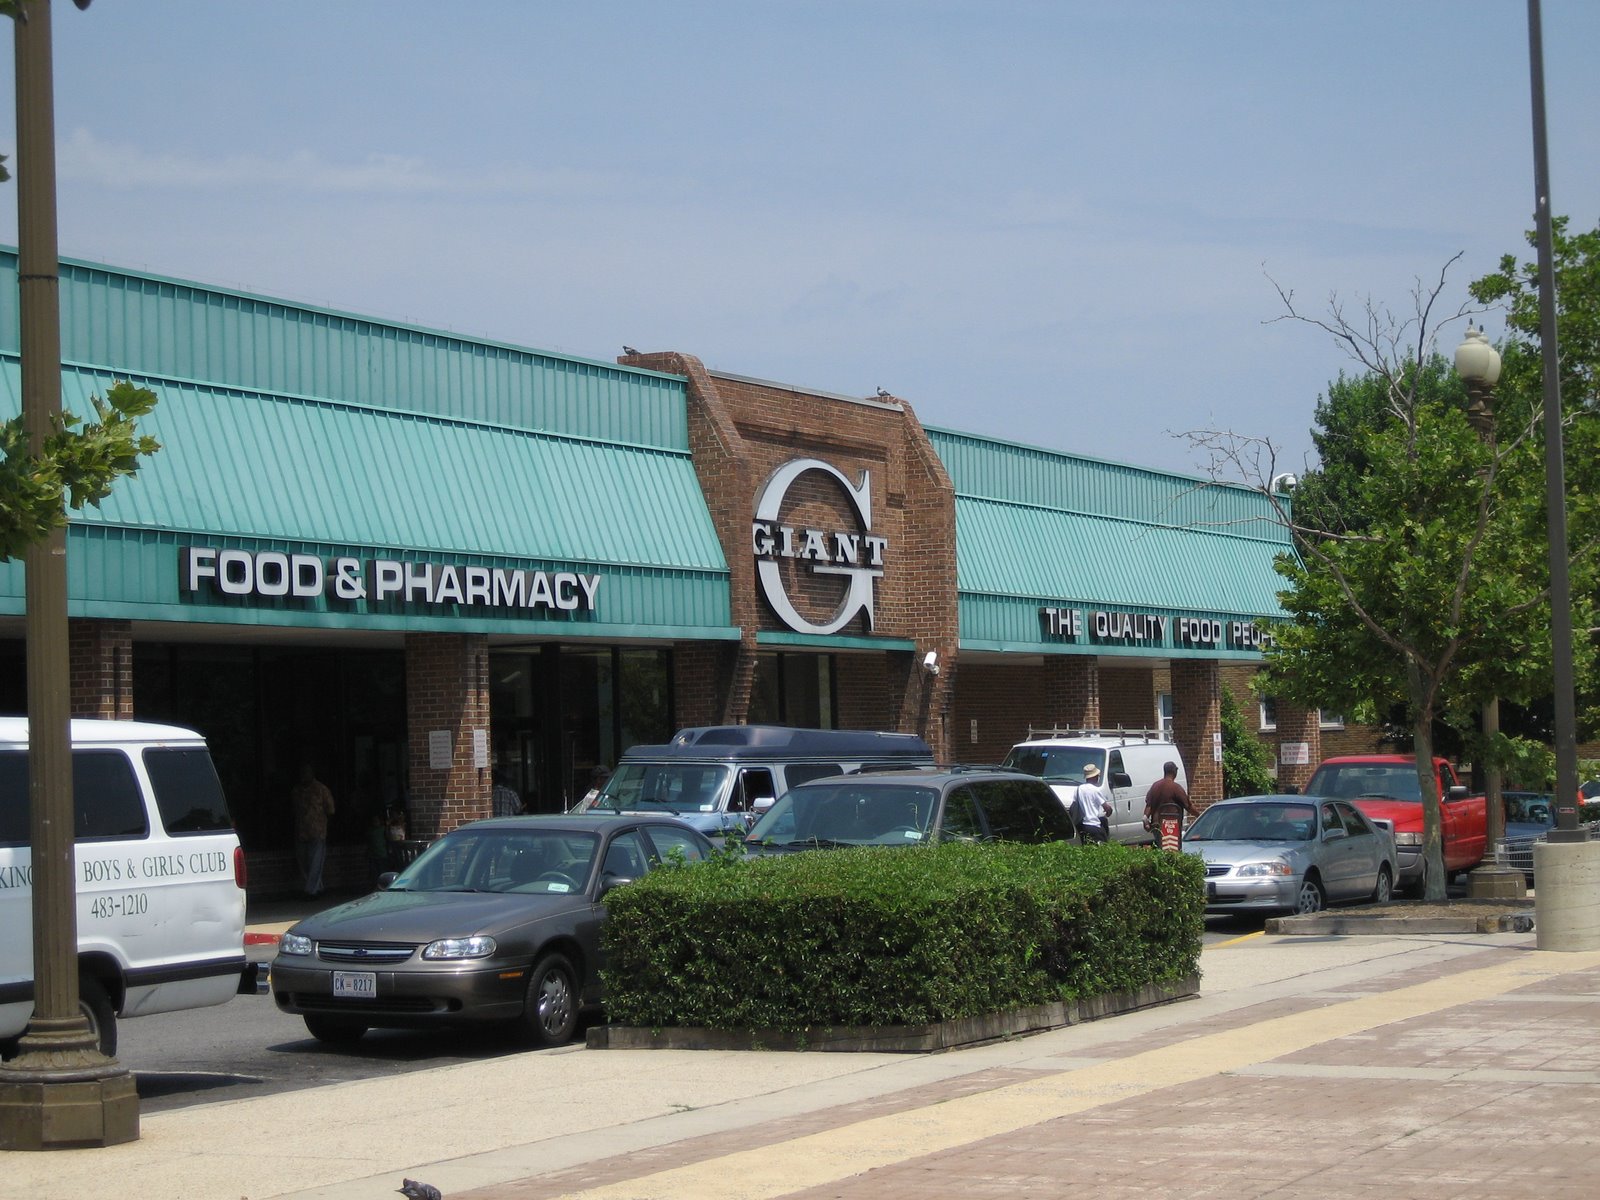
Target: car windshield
538 861
664 788
849 813
1353 781
1262 822
1055 764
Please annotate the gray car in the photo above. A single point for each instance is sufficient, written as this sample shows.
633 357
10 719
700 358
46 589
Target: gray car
497 921
909 808
1291 854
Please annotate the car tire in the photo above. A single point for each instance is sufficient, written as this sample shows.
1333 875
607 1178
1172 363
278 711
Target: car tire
550 1012
1311 898
1383 890
94 1002
334 1031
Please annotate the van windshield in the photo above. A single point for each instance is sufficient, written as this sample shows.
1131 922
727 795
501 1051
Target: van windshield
665 787
1056 764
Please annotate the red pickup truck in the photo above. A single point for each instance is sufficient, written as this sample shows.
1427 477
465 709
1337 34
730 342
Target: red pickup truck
1385 786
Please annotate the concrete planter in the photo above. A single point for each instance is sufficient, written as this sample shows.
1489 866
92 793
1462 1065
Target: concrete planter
897 1039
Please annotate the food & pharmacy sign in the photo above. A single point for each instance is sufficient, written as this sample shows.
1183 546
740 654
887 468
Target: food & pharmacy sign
273 575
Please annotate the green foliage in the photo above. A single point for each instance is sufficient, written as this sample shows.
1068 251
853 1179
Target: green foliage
876 936
1246 760
77 466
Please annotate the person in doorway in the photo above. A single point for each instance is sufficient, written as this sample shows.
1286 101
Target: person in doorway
1164 806
312 803
1091 807
503 800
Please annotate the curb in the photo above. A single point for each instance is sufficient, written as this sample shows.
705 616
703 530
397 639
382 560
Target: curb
899 1039
1355 924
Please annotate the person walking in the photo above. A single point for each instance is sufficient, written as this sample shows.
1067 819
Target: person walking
1164 806
312 803
1091 807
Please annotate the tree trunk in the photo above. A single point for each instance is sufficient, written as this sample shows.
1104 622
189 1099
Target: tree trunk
1427 783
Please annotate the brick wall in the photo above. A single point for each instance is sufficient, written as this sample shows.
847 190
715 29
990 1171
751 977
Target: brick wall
1128 698
1196 715
447 688
1004 701
1296 725
1071 691
740 432
101 668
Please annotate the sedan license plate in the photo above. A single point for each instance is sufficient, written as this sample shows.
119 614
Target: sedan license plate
358 985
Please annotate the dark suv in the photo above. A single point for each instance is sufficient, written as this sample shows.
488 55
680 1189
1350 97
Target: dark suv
909 808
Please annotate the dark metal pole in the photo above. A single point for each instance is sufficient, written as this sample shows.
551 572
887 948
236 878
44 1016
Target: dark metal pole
60 1090
1554 466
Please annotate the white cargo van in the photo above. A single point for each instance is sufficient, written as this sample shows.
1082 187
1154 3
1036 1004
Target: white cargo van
160 876
1130 760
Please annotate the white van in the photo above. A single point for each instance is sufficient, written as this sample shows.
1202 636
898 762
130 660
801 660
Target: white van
1130 760
159 871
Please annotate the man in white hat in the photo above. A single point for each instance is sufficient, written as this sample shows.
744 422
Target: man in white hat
1090 807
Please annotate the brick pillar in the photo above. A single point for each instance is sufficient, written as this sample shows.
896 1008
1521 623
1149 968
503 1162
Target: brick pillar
1297 724
101 656
1196 717
447 689
1071 691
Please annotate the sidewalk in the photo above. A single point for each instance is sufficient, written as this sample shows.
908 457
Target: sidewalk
1315 1066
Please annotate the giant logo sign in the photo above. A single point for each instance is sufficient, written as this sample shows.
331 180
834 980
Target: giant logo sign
854 554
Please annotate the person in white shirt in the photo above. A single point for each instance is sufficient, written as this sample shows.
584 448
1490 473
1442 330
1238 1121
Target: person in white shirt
1090 807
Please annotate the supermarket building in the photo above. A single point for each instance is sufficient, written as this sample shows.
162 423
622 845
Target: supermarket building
419 560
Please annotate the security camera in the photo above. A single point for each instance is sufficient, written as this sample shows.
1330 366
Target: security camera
930 662
1287 482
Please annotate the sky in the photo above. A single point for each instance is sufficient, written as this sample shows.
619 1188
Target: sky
1062 223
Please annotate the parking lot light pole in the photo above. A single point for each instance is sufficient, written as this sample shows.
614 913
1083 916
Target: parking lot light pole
60 1091
1478 365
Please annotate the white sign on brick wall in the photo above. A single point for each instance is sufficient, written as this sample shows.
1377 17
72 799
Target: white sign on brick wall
1295 754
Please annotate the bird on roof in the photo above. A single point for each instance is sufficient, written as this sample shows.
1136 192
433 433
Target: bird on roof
415 1189
884 393
629 350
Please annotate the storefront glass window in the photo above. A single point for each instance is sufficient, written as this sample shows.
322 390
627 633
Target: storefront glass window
517 726
793 689
588 717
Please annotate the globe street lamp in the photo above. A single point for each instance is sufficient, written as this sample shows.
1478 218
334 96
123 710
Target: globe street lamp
1478 365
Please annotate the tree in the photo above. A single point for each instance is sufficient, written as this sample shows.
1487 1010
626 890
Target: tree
76 466
1245 761
1422 563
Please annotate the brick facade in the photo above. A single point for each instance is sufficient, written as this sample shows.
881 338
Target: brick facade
740 432
1196 716
447 688
101 668
1071 691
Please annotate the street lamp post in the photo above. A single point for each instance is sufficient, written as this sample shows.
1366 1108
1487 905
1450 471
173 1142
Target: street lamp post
1478 365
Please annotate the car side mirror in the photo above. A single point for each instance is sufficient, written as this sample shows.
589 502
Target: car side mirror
761 803
1330 835
610 882
1289 789
386 879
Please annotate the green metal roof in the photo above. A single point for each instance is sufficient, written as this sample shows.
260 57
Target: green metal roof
1037 529
257 470
172 329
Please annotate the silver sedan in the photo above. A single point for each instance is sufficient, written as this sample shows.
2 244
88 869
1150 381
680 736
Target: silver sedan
1291 854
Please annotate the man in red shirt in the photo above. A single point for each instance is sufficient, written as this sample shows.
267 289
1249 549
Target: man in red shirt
1164 806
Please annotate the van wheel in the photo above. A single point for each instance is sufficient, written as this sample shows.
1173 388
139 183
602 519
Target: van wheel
335 1031
95 1005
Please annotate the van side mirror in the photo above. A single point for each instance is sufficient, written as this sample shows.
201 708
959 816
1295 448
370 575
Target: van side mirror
1458 792
1120 779
761 804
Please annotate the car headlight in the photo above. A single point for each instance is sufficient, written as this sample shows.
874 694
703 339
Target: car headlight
1277 867
294 943
467 947
1408 839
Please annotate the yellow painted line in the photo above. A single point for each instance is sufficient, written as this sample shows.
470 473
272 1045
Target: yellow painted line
1244 937
836 1154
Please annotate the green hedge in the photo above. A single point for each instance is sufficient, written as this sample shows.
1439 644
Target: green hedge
880 936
